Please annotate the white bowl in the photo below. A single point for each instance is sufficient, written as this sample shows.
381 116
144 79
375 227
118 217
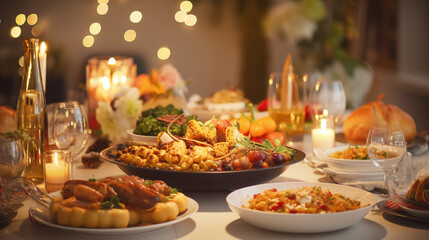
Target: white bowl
349 165
141 138
300 223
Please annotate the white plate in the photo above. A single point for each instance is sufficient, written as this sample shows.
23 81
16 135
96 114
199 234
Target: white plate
415 212
370 176
300 223
348 165
41 214
141 138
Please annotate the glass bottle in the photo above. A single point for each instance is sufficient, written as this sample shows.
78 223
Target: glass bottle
31 113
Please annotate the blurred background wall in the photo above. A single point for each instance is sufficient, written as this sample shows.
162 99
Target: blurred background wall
225 48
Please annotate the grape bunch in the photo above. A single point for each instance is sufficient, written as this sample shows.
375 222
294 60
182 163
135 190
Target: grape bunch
253 159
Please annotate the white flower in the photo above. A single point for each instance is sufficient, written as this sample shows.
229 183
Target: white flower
287 20
116 123
104 116
129 105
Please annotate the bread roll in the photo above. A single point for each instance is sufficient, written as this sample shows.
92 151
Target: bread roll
357 125
7 119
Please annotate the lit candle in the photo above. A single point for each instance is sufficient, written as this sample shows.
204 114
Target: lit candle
57 165
57 172
42 60
323 133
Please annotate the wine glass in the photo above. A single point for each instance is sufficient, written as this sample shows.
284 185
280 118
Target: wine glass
327 98
386 147
12 162
70 128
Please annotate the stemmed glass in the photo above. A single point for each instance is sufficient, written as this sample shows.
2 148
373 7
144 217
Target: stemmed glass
70 128
386 147
327 98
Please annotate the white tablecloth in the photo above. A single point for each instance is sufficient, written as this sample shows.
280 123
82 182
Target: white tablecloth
214 220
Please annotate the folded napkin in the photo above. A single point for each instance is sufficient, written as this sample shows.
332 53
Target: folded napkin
365 185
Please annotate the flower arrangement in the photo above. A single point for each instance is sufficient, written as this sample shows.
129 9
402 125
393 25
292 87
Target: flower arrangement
121 114
320 32
166 80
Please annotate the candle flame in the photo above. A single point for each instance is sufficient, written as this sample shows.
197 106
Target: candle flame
325 112
112 61
323 124
43 48
56 159
105 82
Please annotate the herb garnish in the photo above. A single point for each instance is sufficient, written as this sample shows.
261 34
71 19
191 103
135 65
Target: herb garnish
92 180
112 203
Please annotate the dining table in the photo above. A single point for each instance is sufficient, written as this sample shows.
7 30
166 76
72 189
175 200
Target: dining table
215 220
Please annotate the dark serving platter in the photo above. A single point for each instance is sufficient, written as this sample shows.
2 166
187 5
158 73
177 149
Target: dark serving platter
210 180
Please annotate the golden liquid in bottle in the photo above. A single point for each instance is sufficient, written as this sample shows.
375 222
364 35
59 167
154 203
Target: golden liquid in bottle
289 121
31 119
31 113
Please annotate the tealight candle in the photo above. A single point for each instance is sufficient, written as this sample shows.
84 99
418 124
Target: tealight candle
57 169
323 133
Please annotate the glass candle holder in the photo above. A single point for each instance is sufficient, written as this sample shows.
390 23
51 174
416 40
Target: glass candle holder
105 75
58 169
323 132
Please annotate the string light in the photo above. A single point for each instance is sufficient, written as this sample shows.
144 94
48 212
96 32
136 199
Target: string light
21 61
186 6
164 53
15 32
95 28
20 19
180 16
191 20
88 41
130 35
102 9
32 19
136 17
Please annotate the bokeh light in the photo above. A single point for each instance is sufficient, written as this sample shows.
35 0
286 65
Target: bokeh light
164 53
88 41
32 19
191 20
136 17
95 28
102 9
37 30
15 32
180 16
130 35
186 6
21 61
20 19
103 1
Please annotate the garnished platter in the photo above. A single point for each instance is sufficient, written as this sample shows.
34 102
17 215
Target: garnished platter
40 214
207 180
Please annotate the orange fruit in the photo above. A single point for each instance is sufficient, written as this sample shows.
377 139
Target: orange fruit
257 129
269 124
244 125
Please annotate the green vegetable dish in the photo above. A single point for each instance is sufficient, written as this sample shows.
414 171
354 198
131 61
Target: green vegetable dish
155 120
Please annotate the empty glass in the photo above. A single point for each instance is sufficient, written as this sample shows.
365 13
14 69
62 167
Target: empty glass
12 161
328 98
386 147
70 128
